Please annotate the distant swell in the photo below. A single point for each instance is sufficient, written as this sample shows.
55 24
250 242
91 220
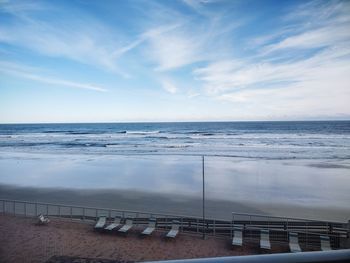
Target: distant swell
142 132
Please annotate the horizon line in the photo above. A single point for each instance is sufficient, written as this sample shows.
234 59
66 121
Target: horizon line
195 121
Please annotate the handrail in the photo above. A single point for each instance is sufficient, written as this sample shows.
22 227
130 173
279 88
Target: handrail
166 214
109 209
286 218
342 255
210 226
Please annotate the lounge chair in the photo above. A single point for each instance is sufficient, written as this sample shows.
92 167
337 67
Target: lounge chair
237 236
127 226
114 225
325 243
174 229
151 227
42 220
101 222
265 239
294 242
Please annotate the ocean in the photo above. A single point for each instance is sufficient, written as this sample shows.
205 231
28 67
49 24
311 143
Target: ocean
280 168
277 140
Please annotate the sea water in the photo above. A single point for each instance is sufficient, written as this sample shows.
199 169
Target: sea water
248 166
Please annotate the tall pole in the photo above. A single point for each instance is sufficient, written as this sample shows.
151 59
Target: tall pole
203 198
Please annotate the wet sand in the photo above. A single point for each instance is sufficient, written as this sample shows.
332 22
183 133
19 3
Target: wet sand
314 189
21 240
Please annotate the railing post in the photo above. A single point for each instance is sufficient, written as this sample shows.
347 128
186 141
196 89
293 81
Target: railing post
250 226
71 213
36 209
47 209
14 208
203 197
83 213
347 243
233 218
95 214
214 227
25 209
307 235
59 211
3 206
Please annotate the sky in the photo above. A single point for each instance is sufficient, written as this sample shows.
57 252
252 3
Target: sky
174 60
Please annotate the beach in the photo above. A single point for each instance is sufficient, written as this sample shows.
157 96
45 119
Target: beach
24 241
294 169
173 184
226 118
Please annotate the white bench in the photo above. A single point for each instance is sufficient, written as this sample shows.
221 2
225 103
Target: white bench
151 227
101 222
174 229
265 239
237 236
125 228
114 225
294 242
325 243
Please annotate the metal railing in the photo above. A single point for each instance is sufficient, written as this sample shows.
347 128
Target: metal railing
188 224
309 230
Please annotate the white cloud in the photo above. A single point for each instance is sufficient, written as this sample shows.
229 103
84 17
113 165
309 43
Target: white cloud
232 75
315 24
172 51
305 73
79 38
318 38
192 94
31 74
183 40
315 86
169 86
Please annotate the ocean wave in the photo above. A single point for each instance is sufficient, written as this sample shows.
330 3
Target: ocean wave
113 145
204 133
177 146
142 132
158 137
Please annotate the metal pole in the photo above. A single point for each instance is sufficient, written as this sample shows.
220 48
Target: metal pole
203 198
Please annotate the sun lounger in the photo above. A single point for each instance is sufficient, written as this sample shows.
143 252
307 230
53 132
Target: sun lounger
265 239
114 225
100 222
325 243
151 227
237 236
127 226
174 229
294 242
42 220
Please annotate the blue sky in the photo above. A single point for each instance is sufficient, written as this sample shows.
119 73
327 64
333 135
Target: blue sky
209 60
